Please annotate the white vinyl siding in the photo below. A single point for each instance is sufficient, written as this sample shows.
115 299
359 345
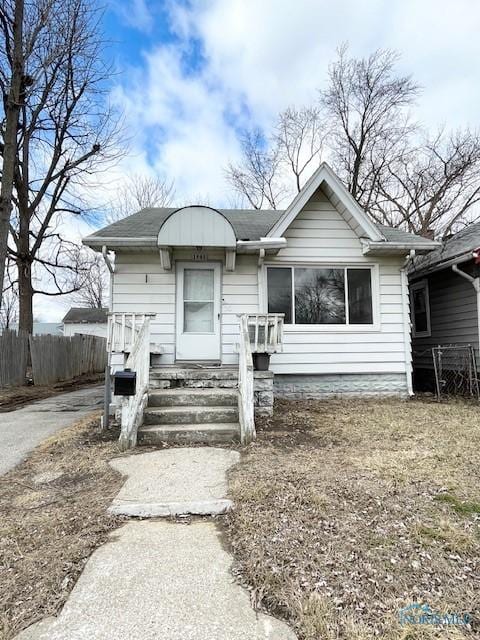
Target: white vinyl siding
321 236
141 285
86 328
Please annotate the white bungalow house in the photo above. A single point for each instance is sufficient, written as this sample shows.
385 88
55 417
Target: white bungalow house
195 290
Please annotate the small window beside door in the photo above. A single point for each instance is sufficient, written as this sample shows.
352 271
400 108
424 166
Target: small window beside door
420 303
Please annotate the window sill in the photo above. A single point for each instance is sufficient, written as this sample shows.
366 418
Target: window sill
331 328
421 334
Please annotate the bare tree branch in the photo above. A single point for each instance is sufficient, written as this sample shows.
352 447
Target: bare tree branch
140 192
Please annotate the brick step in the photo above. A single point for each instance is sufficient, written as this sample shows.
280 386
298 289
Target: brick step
213 397
189 433
189 415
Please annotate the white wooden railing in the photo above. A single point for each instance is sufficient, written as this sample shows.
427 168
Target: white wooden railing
265 331
245 384
134 406
123 329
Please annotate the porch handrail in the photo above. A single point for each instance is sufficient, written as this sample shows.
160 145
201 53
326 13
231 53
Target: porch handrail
133 406
265 331
245 385
123 329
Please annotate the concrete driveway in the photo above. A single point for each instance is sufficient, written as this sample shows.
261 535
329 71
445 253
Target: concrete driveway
23 429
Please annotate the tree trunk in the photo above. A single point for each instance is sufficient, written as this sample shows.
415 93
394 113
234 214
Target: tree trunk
10 136
25 295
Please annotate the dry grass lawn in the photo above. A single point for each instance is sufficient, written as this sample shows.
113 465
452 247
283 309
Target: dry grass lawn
53 515
347 511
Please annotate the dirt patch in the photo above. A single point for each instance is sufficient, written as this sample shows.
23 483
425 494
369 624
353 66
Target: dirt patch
15 397
54 515
347 511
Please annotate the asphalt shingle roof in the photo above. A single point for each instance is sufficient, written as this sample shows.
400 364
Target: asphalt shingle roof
462 242
84 315
397 235
248 224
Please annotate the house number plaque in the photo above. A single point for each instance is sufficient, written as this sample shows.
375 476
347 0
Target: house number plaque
199 255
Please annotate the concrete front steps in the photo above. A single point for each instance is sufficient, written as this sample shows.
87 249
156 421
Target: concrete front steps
182 414
193 378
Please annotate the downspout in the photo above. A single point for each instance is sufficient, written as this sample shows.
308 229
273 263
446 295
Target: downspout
260 283
108 262
407 334
475 282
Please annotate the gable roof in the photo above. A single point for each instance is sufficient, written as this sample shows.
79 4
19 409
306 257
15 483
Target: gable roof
463 242
336 191
142 229
81 315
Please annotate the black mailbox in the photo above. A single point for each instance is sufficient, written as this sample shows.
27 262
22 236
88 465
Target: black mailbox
124 383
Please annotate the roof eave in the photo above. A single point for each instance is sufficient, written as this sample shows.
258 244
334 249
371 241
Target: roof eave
444 264
270 245
397 248
95 242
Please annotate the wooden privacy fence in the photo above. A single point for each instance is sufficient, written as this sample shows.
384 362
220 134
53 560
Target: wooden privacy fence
13 357
56 358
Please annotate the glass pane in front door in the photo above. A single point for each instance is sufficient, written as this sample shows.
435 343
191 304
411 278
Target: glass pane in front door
198 300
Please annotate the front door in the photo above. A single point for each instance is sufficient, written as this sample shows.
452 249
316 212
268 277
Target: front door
198 311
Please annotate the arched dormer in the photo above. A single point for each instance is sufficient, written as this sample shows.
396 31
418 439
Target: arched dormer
196 226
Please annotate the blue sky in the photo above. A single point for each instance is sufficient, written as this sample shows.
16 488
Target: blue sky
192 75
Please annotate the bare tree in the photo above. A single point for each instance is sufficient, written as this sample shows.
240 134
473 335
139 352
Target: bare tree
434 186
300 135
140 192
275 167
395 170
11 83
93 288
367 104
256 178
66 133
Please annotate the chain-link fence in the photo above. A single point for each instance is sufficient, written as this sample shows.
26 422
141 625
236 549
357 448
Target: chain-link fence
455 371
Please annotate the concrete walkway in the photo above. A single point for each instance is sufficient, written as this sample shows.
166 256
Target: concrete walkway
174 482
24 429
161 580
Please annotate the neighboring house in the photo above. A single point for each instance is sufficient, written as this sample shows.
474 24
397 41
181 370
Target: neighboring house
92 322
445 290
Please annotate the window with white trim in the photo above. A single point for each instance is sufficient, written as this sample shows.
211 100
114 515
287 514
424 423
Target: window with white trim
420 303
321 295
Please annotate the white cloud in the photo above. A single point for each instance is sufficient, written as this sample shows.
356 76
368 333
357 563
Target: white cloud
179 121
136 14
